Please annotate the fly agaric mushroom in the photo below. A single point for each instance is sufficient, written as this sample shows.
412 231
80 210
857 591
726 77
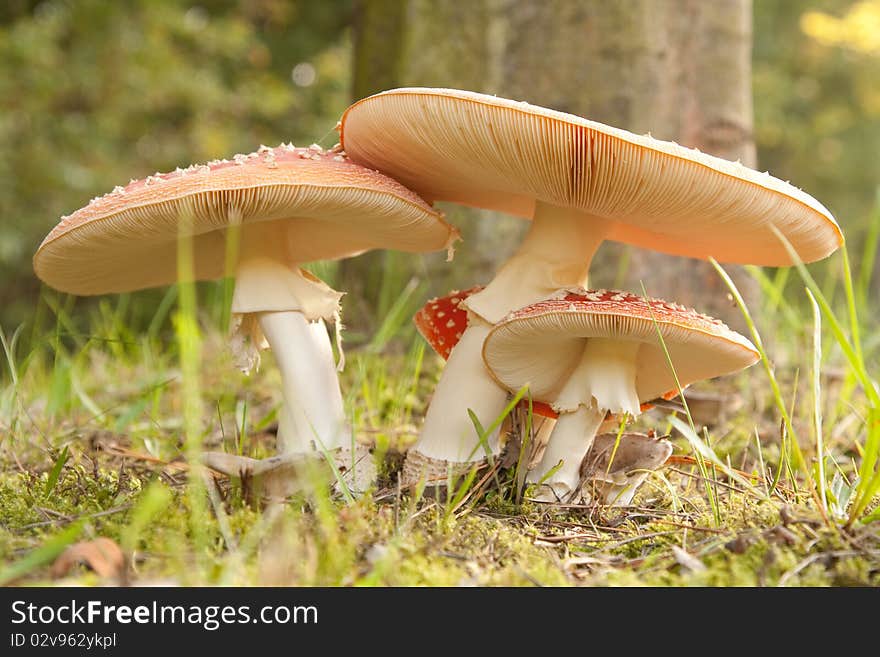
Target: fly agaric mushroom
442 321
273 209
580 182
588 352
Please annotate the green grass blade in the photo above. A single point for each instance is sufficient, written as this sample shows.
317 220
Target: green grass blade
461 490
162 311
854 357
704 473
153 501
483 434
768 368
869 255
9 352
189 342
774 290
520 472
398 315
55 473
709 454
45 554
837 329
817 400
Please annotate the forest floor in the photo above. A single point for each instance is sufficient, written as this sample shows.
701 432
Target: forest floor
94 436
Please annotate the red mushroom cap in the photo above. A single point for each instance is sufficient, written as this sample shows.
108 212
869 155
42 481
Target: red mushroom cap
442 320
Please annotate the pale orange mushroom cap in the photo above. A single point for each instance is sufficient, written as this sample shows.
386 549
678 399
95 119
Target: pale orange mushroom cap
306 204
540 344
494 153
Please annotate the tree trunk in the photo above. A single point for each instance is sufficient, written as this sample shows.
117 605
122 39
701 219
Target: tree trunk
679 69
708 106
378 27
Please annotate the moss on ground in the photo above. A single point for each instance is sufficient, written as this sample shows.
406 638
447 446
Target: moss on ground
395 542
122 423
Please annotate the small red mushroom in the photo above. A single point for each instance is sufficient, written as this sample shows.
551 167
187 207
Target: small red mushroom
600 352
443 320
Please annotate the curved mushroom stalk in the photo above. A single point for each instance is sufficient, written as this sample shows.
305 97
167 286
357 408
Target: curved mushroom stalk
289 307
559 471
604 380
597 351
448 435
555 254
312 417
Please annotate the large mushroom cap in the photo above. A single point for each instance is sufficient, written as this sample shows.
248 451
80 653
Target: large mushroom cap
495 153
541 344
304 204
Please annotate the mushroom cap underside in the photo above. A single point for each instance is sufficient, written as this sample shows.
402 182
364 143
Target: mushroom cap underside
443 320
495 153
296 204
540 345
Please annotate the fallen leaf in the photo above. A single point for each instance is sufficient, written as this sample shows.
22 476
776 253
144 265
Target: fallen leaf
102 555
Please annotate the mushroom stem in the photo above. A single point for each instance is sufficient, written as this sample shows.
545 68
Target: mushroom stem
448 433
556 253
606 375
572 435
313 416
603 380
290 306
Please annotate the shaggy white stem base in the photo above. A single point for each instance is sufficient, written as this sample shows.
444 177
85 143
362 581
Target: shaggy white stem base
605 376
603 380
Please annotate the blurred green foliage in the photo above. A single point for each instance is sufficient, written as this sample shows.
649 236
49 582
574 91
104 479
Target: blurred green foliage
95 92
817 103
